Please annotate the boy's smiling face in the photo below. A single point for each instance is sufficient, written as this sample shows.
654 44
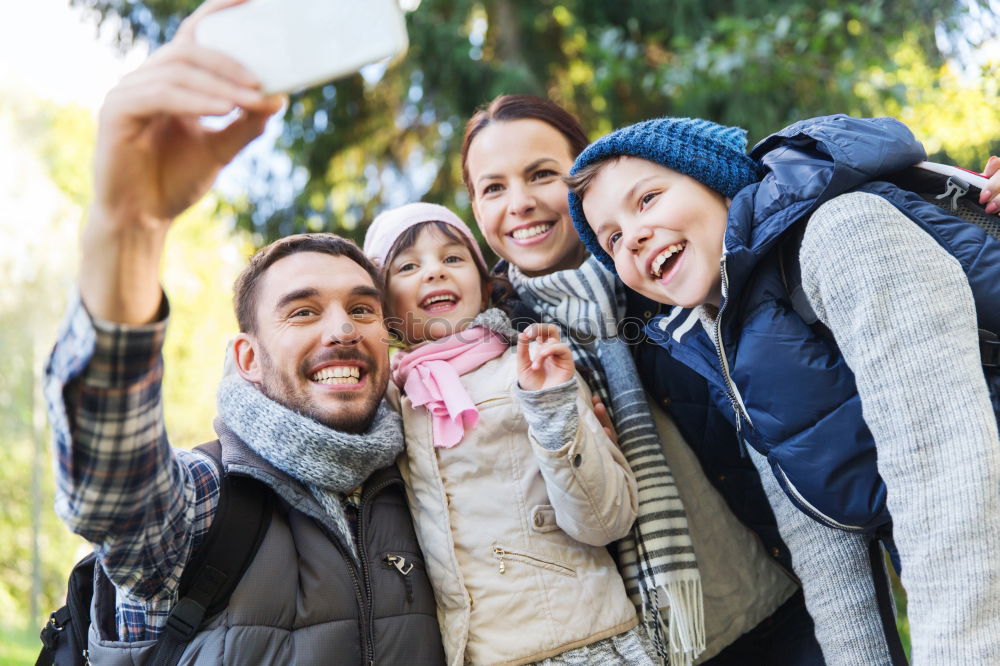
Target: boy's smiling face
663 230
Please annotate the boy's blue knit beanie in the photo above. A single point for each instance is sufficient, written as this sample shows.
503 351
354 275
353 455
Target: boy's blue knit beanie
712 154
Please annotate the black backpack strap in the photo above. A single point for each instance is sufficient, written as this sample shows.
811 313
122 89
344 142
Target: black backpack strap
214 570
989 349
791 276
64 636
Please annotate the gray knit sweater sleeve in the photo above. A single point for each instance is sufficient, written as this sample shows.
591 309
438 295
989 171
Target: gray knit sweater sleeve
836 578
551 413
833 568
902 313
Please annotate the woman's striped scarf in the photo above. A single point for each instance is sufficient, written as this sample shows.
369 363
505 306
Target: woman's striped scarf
657 559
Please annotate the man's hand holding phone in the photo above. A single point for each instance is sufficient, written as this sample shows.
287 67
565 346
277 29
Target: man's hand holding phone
293 44
154 159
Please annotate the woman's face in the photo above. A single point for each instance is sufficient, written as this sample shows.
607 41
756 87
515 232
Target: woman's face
519 198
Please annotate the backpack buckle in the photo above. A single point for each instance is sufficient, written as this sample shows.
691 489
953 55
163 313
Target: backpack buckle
185 618
57 624
957 188
989 348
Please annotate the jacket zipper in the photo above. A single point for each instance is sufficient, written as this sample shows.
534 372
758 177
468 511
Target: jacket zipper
501 554
731 392
369 635
808 508
741 413
348 558
498 398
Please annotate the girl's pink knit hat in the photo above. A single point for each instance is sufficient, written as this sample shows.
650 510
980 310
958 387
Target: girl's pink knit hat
388 226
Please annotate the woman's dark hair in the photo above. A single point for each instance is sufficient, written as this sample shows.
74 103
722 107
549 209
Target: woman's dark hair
522 107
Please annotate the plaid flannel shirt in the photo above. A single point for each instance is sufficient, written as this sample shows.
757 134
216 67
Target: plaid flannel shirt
119 484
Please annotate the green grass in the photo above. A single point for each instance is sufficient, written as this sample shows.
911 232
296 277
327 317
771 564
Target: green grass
19 647
902 622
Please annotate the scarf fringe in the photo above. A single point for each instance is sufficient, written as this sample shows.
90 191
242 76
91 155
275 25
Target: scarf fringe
674 618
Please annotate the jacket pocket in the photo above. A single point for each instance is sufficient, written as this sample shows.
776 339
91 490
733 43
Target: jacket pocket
507 556
799 500
493 401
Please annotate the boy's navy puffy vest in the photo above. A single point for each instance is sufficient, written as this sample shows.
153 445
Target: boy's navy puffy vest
803 405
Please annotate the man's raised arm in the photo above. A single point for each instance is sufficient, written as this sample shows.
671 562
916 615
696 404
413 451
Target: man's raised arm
118 483
154 159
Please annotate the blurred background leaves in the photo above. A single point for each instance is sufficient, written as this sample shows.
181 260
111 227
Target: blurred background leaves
353 147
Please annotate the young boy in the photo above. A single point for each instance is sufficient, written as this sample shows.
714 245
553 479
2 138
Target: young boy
892 372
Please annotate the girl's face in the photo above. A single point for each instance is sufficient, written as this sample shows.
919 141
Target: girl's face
519 198
663 229
434 288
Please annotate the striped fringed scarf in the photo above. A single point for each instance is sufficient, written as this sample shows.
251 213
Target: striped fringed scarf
657 559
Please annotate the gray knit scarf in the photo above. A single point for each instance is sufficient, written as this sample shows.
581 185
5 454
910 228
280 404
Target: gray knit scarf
657 558
328 462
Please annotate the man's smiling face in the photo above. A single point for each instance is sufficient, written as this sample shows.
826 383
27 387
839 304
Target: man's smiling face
320 345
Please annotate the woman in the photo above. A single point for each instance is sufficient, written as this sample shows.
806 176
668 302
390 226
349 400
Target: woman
514 155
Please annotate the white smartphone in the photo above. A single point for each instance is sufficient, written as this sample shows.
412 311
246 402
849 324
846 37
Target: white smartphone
294 44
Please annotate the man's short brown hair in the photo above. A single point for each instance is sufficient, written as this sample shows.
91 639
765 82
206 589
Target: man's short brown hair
248 283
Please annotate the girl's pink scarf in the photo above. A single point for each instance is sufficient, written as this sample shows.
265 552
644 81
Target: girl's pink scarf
430 377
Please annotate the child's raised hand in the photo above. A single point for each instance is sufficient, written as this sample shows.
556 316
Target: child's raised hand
552 363
991 193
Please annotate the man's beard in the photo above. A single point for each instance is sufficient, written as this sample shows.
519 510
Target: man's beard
355 412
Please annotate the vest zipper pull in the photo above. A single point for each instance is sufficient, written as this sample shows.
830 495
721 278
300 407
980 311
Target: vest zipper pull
499 553
399 562
739 431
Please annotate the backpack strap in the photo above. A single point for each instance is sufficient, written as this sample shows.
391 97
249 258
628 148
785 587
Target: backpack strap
64 636
216 567
989 349
791 276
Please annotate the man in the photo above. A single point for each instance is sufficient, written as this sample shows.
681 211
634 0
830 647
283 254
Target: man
334 578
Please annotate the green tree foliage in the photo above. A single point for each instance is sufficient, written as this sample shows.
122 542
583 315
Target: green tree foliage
37 261
45 186
363 143
202 261
954 115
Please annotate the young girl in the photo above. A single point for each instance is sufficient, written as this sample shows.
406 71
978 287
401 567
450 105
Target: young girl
513 484
686 218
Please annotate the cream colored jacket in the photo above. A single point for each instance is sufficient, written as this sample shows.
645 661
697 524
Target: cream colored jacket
513 534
